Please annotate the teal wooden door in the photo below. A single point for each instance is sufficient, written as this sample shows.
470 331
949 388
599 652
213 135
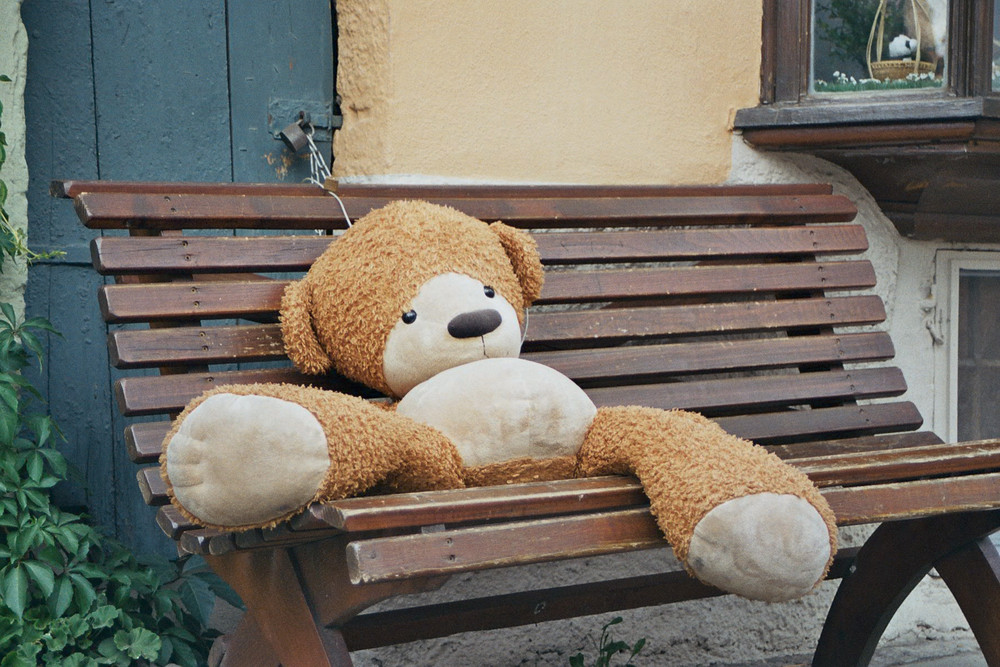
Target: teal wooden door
149 90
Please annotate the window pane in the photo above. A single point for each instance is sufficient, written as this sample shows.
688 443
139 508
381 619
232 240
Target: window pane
978 354
896 29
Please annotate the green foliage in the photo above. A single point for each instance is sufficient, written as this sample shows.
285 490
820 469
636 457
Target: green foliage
607 649
70 596
847 24
844 84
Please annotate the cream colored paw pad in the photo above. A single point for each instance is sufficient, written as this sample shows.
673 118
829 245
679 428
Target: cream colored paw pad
239 460
764 546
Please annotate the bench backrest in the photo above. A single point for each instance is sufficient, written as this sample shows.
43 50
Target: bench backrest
744 303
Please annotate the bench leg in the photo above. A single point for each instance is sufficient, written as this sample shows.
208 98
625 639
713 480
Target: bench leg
269 585
890 564
973 576
247 647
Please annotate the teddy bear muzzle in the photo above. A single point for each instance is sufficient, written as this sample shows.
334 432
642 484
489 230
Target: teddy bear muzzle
475 323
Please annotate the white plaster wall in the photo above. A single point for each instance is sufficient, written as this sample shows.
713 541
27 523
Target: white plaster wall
929 624
13 63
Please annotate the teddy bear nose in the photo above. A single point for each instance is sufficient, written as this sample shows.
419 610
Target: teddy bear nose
474 324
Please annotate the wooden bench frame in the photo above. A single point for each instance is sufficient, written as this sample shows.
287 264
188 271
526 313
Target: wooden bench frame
305 582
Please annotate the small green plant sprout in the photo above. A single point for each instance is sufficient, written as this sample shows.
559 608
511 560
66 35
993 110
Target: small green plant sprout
608 649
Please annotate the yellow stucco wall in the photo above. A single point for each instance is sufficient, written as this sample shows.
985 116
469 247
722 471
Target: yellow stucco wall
630 91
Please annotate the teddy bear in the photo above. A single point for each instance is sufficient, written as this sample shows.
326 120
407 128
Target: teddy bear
427 305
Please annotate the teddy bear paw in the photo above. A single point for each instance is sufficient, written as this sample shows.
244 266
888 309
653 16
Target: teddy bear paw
238 460
764 546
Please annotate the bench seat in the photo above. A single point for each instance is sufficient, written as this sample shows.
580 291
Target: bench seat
750 304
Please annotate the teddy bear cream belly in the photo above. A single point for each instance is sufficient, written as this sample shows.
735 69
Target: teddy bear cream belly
497 410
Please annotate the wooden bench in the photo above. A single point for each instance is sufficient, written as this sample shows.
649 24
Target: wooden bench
747 303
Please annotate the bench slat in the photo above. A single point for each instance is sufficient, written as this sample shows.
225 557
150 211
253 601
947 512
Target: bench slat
408 510
148 396
651 362
616 324
127 255
71 188
223 344
100 210
168 393
539 540
250 299
714 397
842 422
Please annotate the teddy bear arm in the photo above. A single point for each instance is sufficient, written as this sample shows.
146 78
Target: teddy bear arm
736 515
253 455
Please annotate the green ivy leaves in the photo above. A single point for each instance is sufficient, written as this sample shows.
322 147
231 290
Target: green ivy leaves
69 596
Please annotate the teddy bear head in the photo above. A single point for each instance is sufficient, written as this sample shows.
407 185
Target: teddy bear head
410 290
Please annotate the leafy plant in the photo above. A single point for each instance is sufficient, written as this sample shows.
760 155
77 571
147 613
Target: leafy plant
607 649
70 596
846 25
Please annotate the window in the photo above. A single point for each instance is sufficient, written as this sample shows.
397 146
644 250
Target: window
926 144
968 365
806 41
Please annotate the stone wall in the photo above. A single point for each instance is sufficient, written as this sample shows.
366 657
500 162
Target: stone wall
13 63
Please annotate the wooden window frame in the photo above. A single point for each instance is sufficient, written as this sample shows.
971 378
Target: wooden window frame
785 62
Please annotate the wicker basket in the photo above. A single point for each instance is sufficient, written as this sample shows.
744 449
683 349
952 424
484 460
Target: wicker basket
894 69
898 69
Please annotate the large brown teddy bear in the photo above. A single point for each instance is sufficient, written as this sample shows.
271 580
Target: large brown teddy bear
426 304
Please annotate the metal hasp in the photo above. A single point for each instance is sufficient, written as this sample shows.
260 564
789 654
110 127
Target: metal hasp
281 112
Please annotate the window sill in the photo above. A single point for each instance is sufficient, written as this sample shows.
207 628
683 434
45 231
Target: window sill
932 163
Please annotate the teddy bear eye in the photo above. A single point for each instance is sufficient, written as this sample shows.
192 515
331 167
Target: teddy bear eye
409 317
489 292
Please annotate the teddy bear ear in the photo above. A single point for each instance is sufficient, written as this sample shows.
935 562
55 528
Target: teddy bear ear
523 254
301 344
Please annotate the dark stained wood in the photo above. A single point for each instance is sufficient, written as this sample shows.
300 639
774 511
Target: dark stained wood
152 486
194 300
758 392
857 135
267 582
618 365
530 607
71 188
909 500
143 440
149 395
194 254
890 564
581 286
483 547
195 345
824 423
221 344
973 577
582 327
476 504
123 211
145 395
503 545
689 244
254 299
